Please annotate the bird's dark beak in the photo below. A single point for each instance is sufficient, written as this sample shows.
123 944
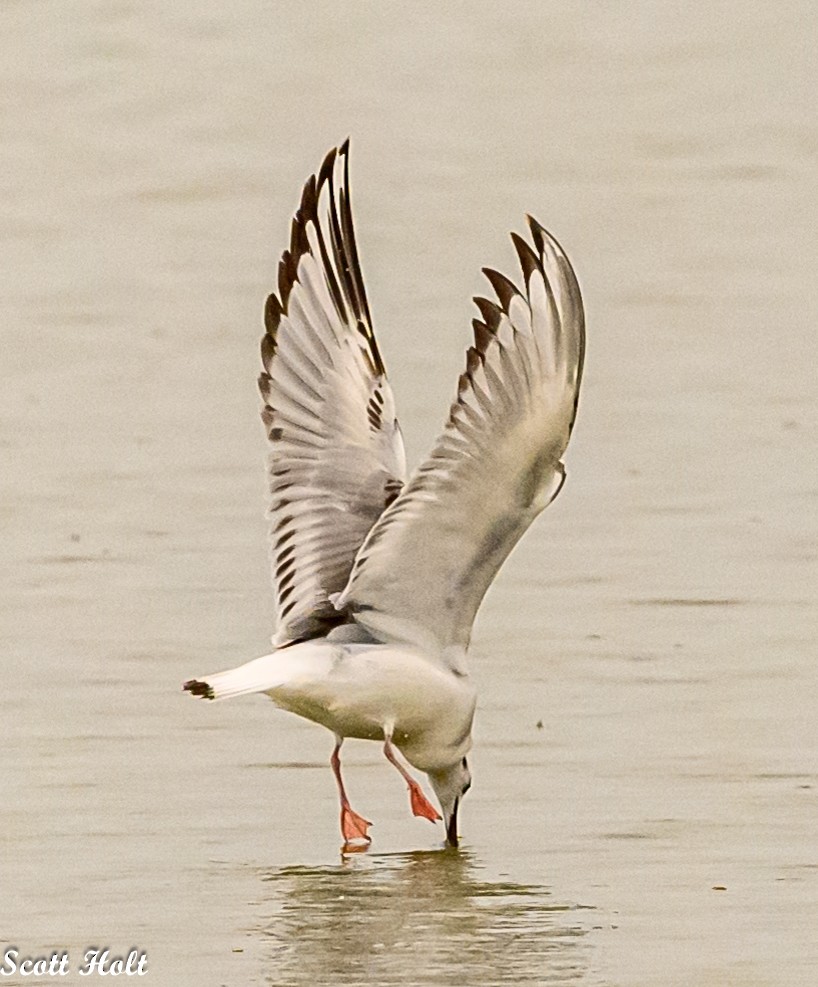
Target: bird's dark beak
451 829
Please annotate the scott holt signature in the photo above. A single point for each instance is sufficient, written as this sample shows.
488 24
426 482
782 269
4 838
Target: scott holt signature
57 964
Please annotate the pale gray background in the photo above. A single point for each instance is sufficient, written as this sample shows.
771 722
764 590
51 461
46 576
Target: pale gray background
659 620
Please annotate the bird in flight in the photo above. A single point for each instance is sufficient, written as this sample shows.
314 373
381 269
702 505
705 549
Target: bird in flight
378 576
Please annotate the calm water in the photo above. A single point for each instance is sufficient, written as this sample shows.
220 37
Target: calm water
649 689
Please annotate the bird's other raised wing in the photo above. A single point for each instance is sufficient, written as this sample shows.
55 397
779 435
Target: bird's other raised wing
336 451
423 570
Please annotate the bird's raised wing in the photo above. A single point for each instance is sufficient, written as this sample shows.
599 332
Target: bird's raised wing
423 570
336 451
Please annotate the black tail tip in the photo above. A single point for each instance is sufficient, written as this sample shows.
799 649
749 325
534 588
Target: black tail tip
197 688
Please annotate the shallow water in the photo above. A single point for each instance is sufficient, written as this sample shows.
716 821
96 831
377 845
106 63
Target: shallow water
646 660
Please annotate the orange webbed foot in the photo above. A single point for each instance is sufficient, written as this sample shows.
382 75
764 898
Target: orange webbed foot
421 806
353 826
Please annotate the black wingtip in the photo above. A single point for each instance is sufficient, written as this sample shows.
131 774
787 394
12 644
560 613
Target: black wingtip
327 165
504 288
197 688
272 315
343 150
541 235
535 226
482 335
489 311
287 275
529 262
309 198
299 244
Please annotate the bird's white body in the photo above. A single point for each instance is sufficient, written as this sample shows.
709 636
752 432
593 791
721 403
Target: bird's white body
366 691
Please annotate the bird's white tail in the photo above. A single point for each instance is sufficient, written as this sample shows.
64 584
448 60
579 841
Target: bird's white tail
257 675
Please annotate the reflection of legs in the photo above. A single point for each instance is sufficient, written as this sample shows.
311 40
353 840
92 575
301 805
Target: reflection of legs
421 806
353 826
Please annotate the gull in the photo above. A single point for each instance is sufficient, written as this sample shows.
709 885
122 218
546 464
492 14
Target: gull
378 577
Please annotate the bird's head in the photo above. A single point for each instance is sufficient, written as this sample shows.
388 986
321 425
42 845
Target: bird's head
450 786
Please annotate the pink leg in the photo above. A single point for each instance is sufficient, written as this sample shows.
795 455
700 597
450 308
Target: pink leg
421 806
353 826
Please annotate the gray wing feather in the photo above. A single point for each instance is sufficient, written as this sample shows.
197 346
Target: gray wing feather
336 451
424 568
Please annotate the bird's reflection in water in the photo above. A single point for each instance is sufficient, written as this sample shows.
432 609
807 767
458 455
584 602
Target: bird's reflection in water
417 918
